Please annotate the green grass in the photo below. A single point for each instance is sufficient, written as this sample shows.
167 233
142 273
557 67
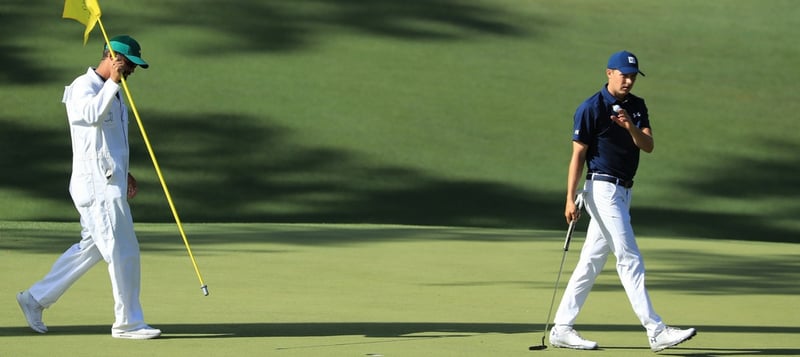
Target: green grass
438 112
354 290
416 123
412 121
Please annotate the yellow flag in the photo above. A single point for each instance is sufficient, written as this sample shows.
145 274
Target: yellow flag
86 12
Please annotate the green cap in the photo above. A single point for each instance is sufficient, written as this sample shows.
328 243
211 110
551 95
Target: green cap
128 47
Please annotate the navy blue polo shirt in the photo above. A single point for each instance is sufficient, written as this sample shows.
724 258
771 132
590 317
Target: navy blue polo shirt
611 148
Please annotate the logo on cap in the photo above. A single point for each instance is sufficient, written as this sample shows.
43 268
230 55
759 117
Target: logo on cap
632 59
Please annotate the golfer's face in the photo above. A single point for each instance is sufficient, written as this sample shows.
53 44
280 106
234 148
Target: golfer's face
619 84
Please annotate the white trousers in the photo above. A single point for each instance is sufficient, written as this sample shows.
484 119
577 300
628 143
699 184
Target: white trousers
609 231
107 234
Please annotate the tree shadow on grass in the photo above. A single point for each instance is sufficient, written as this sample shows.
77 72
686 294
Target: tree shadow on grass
269 26
35 161
242 172
238 171
255 26
257 172
223 167
713 274
374 329
419 330
737 180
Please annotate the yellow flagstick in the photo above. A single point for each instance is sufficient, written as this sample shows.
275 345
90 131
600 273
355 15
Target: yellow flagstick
203 286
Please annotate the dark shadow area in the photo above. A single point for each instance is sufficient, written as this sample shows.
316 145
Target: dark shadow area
240 172
714 352
257 26
18 19
717 274
735 179
284 26
369 329
421 330
16 66
234 168
36 161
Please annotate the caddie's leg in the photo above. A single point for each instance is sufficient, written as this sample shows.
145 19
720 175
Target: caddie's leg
121 252
67 269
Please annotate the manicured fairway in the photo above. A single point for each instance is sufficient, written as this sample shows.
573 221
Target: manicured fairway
369 290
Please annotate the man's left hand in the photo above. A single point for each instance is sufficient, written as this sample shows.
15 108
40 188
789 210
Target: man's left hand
132 188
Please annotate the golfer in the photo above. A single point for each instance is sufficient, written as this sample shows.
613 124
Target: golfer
611 128
100 186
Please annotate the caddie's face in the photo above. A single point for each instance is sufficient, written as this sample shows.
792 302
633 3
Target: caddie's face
128 68
122 64
619 84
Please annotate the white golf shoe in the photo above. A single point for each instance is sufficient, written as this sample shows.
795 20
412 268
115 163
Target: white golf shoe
567 337
144 333
32 311
670 337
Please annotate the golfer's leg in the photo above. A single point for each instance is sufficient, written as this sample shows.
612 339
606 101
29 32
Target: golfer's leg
630 265
592 259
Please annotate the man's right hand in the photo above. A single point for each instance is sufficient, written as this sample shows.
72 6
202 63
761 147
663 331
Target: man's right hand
571 211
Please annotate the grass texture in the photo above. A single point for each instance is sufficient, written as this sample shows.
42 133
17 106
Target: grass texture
422 112
390 290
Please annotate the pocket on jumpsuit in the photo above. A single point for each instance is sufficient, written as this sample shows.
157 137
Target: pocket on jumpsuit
81 188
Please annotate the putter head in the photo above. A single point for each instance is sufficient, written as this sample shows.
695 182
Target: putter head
539 347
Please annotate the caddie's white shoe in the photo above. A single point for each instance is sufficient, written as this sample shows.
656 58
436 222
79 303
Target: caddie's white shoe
567 337
670 337
144 333
32 311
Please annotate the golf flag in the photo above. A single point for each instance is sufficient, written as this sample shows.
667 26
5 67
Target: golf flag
86 12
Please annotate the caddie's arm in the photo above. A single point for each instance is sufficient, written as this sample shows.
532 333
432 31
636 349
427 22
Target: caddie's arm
87 106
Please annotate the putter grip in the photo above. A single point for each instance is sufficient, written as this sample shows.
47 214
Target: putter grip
572 224
569 234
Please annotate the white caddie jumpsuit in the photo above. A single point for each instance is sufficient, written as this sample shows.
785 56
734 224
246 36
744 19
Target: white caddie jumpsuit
98 121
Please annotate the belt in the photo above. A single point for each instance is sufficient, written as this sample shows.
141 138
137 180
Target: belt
608 178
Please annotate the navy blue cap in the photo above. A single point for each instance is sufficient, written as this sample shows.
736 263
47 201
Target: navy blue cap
625 62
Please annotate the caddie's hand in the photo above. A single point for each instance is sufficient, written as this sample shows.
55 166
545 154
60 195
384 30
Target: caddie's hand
132 187
117 68
571 212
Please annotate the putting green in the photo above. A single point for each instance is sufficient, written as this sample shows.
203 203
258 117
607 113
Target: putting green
361 290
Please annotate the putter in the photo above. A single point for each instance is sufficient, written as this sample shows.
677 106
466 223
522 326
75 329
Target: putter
542 346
